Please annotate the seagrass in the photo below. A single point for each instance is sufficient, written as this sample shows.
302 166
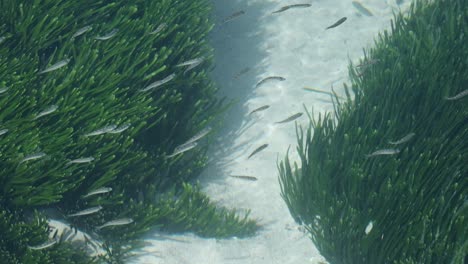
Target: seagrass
413 200
94 79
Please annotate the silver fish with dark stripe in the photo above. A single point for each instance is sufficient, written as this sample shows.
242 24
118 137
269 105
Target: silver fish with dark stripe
261 108
289 119
56 66
257 150
284 8
88 211
403 140
123 221
270 78
337 23
383 152
244 177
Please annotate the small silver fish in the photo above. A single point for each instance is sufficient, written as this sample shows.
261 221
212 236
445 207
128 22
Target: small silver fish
190 62
33 156
44 245
261 108
257 150
183 148
158 83
81 160
88 211
81 31
3 131
119 129
106 129
199 135
4 89
192 66
383 152
47 111
108 35
56 66
244 177
403 140
284 8
458 96
270 78
160 28
233 16
289 119
123 221
369 227
98 191
241 72
362 9
2 39
337 23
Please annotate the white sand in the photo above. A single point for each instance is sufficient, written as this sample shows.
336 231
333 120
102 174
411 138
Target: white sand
295 45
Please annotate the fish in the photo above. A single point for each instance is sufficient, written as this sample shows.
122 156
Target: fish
383 152
81 31
289 119
98 191
33 156
245 177
270 78
284 8
108 35
88 211
81 160
369 227
362 9
403 140
56 66
119 129
158 83
241 72
4 89
3 131
183 148
257 150
191 62
199 135
193 66
106 129
44 245
337 23
261 108
122 221
457 96
160 28
47 111
2 39
233 16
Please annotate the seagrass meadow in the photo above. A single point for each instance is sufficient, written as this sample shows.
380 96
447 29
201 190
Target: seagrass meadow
93 98
384 179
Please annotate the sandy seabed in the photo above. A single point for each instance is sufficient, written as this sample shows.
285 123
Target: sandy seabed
294 45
